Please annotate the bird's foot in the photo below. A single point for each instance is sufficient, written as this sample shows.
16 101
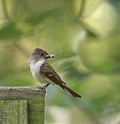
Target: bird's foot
39 87
44 87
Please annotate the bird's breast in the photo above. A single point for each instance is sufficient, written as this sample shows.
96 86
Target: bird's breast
35 70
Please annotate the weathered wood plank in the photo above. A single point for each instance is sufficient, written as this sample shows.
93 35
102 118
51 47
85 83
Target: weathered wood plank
34 97
13 112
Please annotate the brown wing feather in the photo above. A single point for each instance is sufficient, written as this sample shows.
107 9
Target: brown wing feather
48 71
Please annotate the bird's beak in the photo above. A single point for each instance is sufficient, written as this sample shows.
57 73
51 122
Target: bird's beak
49 56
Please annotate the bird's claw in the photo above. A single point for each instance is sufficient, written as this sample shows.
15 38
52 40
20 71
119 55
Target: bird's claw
44 87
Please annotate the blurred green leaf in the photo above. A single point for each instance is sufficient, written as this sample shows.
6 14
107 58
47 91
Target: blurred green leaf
99 55
84 36
10 31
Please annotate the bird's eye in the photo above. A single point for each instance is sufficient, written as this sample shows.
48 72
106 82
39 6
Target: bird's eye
42 54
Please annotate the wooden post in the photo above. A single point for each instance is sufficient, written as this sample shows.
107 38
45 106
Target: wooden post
21 105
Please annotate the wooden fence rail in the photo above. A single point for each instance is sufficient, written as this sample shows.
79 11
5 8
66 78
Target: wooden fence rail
21 105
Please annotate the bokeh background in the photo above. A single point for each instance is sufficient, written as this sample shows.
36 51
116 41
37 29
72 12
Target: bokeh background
84 35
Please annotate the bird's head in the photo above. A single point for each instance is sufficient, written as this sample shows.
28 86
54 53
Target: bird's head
38 54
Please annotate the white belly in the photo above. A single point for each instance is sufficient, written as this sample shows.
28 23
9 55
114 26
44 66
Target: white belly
35 70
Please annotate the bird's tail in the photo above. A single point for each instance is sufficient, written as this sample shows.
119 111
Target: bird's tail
73 93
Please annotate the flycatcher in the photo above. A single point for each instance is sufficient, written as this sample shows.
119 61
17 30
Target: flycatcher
44 73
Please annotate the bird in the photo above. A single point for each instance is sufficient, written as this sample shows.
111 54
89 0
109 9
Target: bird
44 72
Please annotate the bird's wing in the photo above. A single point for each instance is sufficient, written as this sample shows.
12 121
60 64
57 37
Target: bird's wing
48 72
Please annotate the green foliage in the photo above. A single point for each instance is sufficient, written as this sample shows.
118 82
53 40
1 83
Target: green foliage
10 31
100 55
83 35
